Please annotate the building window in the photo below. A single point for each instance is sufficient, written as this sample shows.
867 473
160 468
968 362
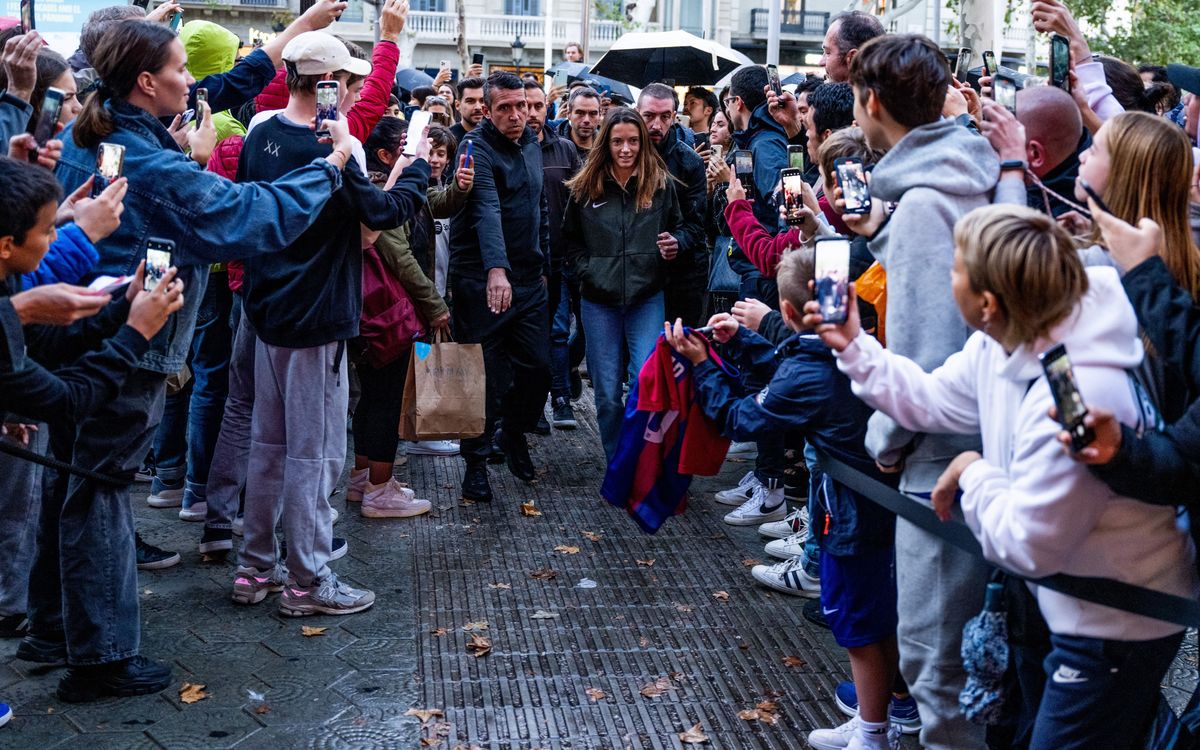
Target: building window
522 7
429 6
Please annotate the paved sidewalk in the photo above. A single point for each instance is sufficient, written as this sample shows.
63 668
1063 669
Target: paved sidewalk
567 666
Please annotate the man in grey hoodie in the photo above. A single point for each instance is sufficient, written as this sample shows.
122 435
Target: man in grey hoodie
934 172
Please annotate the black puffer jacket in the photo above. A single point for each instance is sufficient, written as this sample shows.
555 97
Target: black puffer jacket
687 166
560 162
613 248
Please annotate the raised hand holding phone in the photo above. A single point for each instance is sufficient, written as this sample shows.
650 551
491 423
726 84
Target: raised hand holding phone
836 336
20 64
149 310
203 138
1104 446
465 176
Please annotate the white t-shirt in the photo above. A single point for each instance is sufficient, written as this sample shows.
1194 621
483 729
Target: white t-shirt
441 255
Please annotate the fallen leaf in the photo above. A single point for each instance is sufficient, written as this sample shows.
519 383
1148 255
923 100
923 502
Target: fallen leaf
744 646
592 536
646 563
430 741
437 632
424 714
693 736
643 641
467 503
478 625
750 562
190 693
721 596
596 694
441 729
544 574
310 631
530 509
768 706
794 661
683 607
567 549
50 709
501 586
479 646
657 688
748 714
263 709
542 614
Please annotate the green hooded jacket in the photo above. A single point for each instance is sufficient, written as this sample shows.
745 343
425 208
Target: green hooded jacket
212 49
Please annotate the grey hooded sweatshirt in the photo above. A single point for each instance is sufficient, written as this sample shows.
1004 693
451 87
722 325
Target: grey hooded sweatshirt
935 175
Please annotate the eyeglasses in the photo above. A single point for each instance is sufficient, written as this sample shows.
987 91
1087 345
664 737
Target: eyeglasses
729 100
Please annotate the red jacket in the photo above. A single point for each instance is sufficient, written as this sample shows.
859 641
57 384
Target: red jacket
373 101
763 250
224 161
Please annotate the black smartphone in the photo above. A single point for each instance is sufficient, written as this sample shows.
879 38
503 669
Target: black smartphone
773 80
110 163
852 179
963 64
327 104
158 260
1093 194
477 58
47 122
1004 91
201 96
143 4
743 167
831 273
797 157
1071 409
989 63
1060 62
26 16
793 195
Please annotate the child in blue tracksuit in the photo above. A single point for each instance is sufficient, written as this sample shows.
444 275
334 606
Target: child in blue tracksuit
806 393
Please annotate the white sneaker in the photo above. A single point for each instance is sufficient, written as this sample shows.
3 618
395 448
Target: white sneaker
740 494
336 515
237 525
357 485
788 577
392 500
742 449
845 737
795 522
764 505
166 498
433 448
786 549
197 512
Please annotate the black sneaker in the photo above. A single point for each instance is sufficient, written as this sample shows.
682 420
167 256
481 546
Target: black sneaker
43 650
14 626
475 484
576 384
338 549
517 454
496 455
136 676
216 541
542 427
150 557
564 415
814 614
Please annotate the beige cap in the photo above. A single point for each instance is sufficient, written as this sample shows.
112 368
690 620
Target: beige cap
316 53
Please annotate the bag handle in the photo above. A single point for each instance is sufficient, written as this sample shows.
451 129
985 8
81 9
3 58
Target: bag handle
443 336
17 451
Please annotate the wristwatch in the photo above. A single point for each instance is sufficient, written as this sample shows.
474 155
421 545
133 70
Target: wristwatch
1013 164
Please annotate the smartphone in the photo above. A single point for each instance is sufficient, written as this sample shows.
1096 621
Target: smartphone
467 153
477 58
445 64
110 162
158 260
1004 91
684 120
1060 62
793 194
47 122
704 330
327 104
143 4
1093 194
831 272
963 65
797 157
26 16
989 63
773 80
187 117
1071 409
851 178
718 152
176 19
416 127
743 167
201 96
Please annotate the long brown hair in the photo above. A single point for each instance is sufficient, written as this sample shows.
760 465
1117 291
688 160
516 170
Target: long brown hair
126 50
1150 175
650 174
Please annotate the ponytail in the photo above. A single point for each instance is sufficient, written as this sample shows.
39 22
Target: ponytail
125 51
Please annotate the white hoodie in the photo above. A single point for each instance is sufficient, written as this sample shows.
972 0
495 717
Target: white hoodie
1034 509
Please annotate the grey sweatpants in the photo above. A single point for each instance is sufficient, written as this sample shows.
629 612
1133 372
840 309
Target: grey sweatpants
20 505
939 588
297 450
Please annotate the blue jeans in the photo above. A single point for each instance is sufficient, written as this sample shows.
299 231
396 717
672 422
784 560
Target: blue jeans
566 347
231 454
812 550
616 334
20 505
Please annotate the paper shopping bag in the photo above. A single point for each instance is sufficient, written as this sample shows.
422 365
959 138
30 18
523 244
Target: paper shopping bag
444 392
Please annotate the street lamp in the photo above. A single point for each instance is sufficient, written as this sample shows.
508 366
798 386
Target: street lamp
518 52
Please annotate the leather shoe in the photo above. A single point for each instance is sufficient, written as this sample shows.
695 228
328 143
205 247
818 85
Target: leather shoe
136 676
42 650
475 485
516 452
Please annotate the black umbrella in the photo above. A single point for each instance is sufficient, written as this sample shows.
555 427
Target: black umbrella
411 78
639 58
610 88
794 78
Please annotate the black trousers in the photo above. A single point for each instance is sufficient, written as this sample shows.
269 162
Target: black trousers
516 356
377 415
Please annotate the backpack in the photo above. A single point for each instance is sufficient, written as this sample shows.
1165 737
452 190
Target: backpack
389 324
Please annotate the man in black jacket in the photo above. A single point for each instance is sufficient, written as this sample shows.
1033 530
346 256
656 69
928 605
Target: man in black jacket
560 162
685 290
499 265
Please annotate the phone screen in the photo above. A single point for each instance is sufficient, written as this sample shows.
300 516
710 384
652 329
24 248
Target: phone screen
963 64
773 80
201 96
1060 62
743 166
416 127
796 157
793 194
27 15
1005 91
854 187
831 271
47 122
110 162
327 104
467 153
176 19
989 63
158 260
1071 409
477 58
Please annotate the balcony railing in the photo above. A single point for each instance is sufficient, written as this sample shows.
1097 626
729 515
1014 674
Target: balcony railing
793 22
239 4
493 29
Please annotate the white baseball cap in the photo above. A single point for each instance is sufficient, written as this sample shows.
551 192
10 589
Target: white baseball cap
316 53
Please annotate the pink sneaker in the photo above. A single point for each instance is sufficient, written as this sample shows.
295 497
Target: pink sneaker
357 486
251 586
392 500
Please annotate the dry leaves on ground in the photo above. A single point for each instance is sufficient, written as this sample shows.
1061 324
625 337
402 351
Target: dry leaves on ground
657 688
685 608
437 632
750 562
479 646
309 631
501 586
721 596
793 661
190 692
596 694
425 714
592 536
263 709
530 509
544 574
765 712
693 736
477 625
567 549
646 563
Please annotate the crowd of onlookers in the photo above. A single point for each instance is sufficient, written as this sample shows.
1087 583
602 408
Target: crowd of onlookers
210 259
